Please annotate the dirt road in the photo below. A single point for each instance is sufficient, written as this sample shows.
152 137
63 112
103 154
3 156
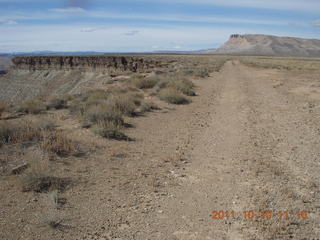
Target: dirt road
240 162
250 146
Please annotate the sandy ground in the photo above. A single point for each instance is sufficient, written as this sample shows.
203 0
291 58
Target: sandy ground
248 144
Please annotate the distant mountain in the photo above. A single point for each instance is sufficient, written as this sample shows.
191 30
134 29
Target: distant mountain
266 45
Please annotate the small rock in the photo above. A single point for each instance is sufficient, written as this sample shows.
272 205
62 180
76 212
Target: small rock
19 169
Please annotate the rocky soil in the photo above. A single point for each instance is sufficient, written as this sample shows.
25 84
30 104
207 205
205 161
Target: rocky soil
248 144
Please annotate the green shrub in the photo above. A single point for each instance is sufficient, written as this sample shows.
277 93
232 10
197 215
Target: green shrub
171 95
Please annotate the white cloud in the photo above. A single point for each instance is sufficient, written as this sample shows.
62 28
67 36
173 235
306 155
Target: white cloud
132 33
93 29
56 14
68 10
8 22
299 5
316 23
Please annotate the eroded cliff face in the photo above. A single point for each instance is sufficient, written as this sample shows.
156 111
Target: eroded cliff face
122 63
54 75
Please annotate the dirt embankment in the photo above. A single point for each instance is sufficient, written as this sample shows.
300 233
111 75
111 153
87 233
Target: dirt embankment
54 75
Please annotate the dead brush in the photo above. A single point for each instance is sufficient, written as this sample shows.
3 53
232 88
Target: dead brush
58 143
185 86
172 95
154 184
125 103
110 130
32 107
3 107
103 113
148 106
57 103
38 177
145 83
18 132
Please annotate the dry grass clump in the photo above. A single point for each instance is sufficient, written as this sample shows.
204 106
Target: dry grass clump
144 83
95 96
28 132
58 143
32 107
125 103
18 132
103 113
110 130
201 72
45 124
184 86
148 106
172 95
57 103
38 177
3 107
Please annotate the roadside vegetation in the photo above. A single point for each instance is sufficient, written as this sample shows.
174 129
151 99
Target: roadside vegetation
38 139
282 63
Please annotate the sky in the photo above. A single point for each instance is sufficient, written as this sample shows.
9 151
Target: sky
148 25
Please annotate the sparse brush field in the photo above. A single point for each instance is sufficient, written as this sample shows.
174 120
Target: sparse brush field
50 143
308 65
143 154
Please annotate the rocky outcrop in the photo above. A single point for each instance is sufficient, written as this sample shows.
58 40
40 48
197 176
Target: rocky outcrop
266 45
122 63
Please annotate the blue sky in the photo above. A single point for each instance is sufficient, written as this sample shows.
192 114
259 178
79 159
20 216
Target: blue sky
148 25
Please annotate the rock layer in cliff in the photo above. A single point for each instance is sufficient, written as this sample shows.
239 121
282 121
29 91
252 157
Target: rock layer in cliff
122 63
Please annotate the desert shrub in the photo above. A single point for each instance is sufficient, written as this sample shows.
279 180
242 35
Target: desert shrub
143 83
57 103
18 132
147 107
183 85
45 124
38 177
110 130
32 107
201 72
57 142
3 107
171 95
162 83
103 113
124 103
94 96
